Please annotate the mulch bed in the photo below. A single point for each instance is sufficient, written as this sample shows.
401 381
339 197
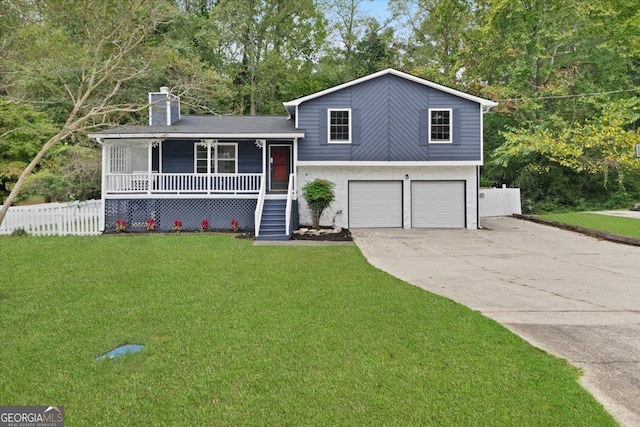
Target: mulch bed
343 236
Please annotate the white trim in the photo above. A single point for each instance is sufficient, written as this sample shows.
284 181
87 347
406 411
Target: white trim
292 106
441 141
349 118
182 135
179 196
393 164
481 140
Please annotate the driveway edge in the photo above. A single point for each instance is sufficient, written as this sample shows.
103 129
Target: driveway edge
632 241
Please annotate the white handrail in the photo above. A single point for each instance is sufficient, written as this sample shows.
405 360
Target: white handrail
143 182
290 198
260 204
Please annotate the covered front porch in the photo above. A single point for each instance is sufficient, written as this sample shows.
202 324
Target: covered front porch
202 168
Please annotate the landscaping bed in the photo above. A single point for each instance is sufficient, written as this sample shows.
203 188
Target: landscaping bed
327 234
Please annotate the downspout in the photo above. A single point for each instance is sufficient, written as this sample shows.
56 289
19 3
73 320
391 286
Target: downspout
478 198
103 184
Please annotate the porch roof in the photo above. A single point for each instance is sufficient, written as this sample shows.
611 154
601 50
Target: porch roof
194 126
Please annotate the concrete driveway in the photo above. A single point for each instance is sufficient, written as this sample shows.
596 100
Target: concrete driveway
568 294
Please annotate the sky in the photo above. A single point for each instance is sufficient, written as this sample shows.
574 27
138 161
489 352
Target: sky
377 8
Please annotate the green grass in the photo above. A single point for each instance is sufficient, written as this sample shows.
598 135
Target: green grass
629 227
242 335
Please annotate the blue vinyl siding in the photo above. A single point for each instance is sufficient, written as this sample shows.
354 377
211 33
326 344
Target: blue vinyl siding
388 119
178 156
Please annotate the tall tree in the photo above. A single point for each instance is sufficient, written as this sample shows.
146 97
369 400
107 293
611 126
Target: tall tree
264 44
437 41
76 56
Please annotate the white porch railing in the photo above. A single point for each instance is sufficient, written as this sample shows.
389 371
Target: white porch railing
55 219
145 183
291 196
260 205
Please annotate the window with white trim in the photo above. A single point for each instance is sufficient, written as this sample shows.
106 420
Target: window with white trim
216 157
339 126
440 125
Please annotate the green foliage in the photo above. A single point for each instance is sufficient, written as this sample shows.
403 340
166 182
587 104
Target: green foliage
234 341
19 232
23 132
70 173
319 195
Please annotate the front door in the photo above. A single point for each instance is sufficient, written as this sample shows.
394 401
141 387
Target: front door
280 165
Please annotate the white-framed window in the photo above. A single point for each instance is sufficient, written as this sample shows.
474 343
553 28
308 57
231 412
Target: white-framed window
440 125
216 157
339 126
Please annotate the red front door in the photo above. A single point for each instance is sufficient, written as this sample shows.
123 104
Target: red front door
280 167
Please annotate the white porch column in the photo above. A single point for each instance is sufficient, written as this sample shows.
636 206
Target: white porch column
295 166
149 166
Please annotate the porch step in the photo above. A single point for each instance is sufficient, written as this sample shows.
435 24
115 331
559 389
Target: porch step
273 225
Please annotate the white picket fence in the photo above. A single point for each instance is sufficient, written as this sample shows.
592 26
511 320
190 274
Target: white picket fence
55 219
499 201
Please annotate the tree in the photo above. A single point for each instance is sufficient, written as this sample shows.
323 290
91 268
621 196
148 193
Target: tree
70 172
76 56
23 132
264 44
602 144
319 195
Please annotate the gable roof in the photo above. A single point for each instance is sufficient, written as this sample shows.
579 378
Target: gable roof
291 106
196 126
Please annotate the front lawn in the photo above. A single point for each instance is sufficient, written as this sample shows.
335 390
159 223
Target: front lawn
236 334
629 227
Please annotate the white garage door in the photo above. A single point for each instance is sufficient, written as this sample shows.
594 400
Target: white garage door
438 204
375 204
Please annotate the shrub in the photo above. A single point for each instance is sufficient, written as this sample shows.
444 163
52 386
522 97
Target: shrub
19 232
319 196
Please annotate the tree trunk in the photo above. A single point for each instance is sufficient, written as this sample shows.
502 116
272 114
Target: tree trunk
27 171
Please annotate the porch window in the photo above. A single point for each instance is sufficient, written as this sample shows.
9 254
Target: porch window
128 158
216 157
339 126
440 122
119 158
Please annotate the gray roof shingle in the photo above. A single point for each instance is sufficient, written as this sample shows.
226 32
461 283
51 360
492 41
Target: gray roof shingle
212 127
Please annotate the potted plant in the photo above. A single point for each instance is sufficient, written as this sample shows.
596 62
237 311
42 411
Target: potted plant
177 226
235 225
204 225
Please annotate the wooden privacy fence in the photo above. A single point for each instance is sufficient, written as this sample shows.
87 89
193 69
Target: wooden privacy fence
55 219
499 201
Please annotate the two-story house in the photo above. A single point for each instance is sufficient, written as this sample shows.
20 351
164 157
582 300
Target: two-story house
402 152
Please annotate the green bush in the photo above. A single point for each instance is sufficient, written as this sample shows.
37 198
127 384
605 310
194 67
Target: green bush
319 196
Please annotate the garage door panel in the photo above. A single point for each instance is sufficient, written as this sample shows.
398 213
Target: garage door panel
375 204
438 204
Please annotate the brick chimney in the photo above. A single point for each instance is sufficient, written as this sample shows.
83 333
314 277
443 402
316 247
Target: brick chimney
164 108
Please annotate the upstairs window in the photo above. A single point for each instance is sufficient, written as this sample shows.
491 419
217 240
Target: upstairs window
339 126
216 157
440 126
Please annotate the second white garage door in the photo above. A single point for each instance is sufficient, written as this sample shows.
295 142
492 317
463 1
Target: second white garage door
375 204
438 204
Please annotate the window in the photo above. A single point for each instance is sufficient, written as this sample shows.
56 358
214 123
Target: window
215 157
440 126
339 126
